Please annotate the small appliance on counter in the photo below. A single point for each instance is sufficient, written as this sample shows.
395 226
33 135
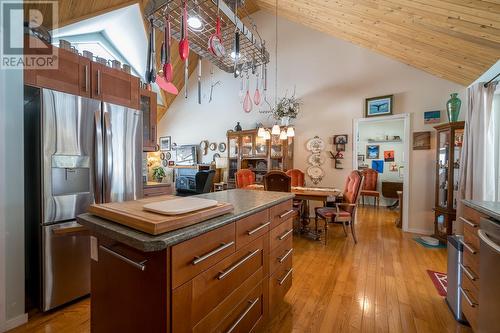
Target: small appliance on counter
453 294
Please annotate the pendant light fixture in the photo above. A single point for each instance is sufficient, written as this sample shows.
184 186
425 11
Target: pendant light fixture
261 132
267 135
283 135
276 130
290 132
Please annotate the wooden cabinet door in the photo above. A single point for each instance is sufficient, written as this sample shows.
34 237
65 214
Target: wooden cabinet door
148 105
114 86
65 78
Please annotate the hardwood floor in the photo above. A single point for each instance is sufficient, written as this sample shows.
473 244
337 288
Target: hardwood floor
378 285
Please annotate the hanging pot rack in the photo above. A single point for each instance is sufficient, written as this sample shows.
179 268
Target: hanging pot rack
253 52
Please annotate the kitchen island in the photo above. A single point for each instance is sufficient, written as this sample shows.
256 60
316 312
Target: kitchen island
225 274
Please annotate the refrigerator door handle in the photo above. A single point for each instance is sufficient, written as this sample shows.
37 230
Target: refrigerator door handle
108 157
98 178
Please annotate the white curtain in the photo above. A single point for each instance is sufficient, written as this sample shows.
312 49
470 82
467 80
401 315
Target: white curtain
479 174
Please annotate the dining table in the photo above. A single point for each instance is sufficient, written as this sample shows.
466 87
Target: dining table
322 194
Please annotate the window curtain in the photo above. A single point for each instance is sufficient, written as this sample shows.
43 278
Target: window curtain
479 172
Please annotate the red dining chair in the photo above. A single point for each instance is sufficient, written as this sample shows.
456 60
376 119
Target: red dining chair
343 212
244 177
370 186
298 179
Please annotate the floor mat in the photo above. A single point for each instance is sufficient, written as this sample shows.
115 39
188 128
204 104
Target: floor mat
421 242
440 281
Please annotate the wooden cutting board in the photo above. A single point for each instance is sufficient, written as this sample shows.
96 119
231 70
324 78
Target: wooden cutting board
132 214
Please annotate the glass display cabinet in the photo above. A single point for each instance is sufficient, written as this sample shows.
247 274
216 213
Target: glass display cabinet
249 151
449 139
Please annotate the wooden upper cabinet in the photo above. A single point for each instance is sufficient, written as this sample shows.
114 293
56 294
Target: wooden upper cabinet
148 106
114 86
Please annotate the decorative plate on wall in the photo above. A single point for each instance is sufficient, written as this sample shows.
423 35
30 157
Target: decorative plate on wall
316 159
168 155
315 144
222 147
315 173
213 146
204 146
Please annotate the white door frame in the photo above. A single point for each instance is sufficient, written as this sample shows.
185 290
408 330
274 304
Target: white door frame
406 154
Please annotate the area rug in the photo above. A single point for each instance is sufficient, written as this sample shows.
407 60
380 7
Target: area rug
440 281
421 242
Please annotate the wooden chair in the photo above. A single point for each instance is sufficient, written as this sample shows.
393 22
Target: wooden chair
298 179
370 186
244 177
343 212
277 181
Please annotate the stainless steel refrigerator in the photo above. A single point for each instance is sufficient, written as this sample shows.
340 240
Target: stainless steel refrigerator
78 151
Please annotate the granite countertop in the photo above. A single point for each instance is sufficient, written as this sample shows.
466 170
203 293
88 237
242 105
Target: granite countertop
245 202
490 208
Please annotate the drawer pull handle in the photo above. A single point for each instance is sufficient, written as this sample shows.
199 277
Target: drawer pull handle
285 235
468 247
260 227
468 273
285 214
139 265
238 264
467 298
204 257
472 225
240 318
283 258
86 68
283 279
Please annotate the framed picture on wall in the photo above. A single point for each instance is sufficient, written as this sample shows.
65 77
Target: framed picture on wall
372 151
389 156
378 106
165 143
421 140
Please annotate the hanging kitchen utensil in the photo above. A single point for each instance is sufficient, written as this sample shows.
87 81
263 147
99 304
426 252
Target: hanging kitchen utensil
241 93
247 103
147 75
215 45
199 80
167 86
167 66
186 77
184 42
236 52
256 95
153 54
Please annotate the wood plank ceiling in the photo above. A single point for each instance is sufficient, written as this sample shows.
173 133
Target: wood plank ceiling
457 40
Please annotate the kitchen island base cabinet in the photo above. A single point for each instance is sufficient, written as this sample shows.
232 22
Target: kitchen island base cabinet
216 281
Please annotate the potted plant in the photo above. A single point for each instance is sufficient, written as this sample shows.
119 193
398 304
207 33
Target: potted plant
287 108
158 173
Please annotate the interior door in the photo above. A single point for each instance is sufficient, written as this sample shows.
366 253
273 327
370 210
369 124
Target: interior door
122 153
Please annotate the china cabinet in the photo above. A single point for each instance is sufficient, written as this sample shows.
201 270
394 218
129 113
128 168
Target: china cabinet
449 139
249 151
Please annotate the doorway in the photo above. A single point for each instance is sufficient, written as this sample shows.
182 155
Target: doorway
383 144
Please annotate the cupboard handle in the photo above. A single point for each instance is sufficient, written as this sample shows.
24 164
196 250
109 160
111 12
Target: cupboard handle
468 247
236 265
260 227
204 257
283 279
285 235
98 82
468 273
86 70
240 318
285 214
139 265
283 257
467 298
473 225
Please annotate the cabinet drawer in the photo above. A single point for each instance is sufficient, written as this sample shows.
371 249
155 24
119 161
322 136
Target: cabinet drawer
156 191
471 237
471 277
194 256
197 298
279 234
251 228
281 255
279 284
471 260
471 215
281 213
469 302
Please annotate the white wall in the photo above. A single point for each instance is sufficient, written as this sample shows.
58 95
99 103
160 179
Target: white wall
333 77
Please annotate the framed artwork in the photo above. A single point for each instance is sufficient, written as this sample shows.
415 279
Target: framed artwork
421 140
432 117
340 139
171 163
372 151
393 167
389 156
378 106
361 158
165 143
378 165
